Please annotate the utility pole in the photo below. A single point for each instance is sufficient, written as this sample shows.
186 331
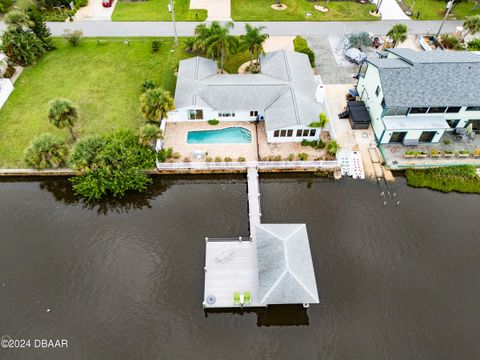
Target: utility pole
172 10
449 8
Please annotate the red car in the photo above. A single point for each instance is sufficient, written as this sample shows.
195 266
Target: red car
107 3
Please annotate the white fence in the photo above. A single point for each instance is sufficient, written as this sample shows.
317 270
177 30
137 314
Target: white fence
201 165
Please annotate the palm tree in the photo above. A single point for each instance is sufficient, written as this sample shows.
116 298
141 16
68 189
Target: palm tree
253 40
471 25
149 135
398 33
332 147
190 43
62 114
155 104
46 153
220 42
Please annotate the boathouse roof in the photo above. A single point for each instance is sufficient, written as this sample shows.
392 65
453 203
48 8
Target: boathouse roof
285 268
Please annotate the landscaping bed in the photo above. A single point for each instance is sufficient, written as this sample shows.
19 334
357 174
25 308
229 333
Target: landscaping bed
102 77
156 10
260 10
462 179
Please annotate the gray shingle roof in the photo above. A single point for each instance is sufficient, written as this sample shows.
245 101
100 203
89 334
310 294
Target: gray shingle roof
430 78
285 268
285 89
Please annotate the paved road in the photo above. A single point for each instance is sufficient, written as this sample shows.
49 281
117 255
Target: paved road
130 29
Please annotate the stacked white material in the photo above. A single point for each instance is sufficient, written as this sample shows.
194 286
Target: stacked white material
356 166
344 157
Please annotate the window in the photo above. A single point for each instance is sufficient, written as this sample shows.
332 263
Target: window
254 113
453 109
427 136
453 123
299 133
419 110
283 133
391 111
195 114
473 108
305 132
313 132
377 91
226 114
289 133
397 137
402 111
276 133
363 69
437 110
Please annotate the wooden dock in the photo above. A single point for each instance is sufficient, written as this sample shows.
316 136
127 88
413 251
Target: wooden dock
253 190
231 264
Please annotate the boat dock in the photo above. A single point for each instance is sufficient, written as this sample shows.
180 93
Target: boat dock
253 191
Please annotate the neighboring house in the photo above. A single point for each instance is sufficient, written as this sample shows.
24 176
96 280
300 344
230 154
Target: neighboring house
415 96
282 95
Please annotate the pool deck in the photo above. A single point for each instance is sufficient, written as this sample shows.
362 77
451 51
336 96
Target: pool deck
176 137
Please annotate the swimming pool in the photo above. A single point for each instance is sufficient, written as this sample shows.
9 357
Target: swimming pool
230 135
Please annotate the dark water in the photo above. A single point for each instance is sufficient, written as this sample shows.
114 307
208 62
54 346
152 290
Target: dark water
125 281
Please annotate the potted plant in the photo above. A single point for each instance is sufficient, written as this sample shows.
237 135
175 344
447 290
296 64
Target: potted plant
449 153
410 154
476 153
435 153
421 154
463 153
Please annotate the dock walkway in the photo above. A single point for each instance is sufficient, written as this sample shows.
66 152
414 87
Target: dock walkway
253 199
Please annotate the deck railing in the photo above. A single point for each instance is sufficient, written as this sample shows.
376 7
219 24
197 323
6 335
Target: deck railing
202 165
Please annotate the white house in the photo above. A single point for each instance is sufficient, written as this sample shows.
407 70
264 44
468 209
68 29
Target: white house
415 96
282 95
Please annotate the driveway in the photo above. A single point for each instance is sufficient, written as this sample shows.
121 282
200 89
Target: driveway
94 11
218 10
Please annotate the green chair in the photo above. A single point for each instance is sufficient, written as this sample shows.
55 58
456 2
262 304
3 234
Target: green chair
246 297
236 298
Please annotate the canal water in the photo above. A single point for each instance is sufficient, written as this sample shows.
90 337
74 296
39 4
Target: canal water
124 280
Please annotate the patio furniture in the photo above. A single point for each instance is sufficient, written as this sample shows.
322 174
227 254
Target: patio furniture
247 297
236 298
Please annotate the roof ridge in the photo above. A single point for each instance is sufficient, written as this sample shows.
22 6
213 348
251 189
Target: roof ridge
295 105
287 65
278 97
275 284
300 282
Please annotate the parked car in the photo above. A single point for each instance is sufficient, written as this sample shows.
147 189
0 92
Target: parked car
107 3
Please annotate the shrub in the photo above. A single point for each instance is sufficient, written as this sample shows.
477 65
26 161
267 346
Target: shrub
39 27
301 45
228 159
360 40
213 122
333 147
291 157
464 152
111 164
148 84
303 156
187 160
73 37
450 41
208 159
156 46
241 159
447 142
46 153
5 5
218 159
176 155
435 152
474 45
169 153
22 47
451 178
277 158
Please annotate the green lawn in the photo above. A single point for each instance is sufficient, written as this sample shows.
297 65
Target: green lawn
260 10
104 81
233 62
156 10
435 9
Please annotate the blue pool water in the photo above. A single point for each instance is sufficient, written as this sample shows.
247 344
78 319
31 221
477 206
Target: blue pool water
231 135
